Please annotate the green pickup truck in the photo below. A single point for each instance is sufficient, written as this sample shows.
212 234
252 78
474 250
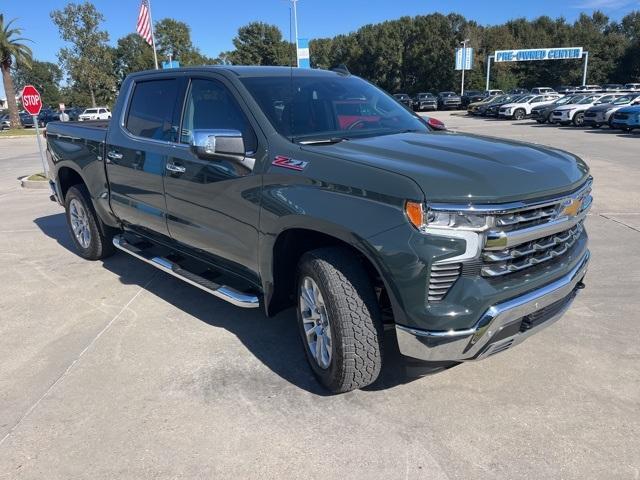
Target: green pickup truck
271 187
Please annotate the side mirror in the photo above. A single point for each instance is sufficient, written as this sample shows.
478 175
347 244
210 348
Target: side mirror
217 143
221 144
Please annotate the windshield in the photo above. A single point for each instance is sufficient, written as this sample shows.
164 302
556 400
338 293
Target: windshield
589 99
607 99
526 99
329 106
91 110
624 100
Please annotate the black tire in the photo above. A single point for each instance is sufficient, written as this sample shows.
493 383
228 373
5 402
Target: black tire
596 126
541 120
578 119
100 236
353 314
519 114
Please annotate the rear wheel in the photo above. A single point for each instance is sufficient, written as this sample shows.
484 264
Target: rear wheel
93 240
578 119
339 320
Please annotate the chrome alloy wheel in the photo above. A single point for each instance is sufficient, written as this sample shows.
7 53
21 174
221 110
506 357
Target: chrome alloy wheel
315 322
80 223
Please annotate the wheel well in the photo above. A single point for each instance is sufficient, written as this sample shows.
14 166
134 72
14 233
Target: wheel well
67 177
287 251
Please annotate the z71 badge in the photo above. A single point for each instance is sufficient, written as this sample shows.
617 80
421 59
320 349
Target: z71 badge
286 162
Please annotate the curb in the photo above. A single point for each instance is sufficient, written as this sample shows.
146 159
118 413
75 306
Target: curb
33 184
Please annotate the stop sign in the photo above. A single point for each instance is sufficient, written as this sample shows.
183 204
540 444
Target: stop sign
31 100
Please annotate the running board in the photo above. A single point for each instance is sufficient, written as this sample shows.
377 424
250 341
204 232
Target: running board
225 293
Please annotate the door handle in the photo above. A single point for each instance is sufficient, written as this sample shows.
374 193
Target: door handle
113 155
172 167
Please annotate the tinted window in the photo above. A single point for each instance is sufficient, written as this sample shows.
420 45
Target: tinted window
210 106
151 110
310 106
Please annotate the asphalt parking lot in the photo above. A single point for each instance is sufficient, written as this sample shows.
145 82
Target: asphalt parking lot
115 370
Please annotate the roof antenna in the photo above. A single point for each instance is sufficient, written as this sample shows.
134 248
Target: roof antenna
342 69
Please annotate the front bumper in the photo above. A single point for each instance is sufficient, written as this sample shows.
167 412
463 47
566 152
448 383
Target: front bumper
500 327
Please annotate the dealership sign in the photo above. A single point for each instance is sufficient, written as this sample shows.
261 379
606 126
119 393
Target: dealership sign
538 54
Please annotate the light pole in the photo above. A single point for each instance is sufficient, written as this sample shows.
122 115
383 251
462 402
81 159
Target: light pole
464 61
295 26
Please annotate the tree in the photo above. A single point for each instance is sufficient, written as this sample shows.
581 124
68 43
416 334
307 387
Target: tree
45 76
259 43
132 54
173 38
88 60
13 53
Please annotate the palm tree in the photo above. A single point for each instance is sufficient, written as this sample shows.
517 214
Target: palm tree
12 52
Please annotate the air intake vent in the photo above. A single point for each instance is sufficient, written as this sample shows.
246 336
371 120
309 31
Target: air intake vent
441 280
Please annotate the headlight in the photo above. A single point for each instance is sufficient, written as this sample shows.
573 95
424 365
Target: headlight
424 218
508 111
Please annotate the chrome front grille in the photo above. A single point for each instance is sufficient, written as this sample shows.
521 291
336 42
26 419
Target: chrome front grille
498 263
441 280
527 236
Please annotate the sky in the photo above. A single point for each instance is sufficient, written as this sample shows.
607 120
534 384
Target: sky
215 23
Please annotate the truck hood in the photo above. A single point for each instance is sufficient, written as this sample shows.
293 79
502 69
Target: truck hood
453 167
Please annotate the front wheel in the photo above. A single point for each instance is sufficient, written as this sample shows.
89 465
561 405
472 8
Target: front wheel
519 114
339 320
93 240
578 119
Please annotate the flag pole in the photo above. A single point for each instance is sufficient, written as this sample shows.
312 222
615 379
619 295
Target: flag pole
153 38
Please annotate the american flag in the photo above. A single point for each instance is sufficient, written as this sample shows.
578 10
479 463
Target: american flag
144 22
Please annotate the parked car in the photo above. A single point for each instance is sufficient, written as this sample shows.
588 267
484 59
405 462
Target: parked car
425 101
542 90
541 113
449 100
74 113
589 88
426 233
518 91
48 115
574 112
612 87
99 113
627 118
564 89
5 123
602 113
473 108
632 86
492 109
27 120
472 96
404 99
521 108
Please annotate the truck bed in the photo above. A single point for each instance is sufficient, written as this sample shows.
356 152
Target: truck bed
95 130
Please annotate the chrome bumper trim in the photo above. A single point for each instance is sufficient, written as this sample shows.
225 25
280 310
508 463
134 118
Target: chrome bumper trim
476 343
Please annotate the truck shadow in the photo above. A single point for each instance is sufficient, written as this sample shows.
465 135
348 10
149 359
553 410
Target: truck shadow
274 341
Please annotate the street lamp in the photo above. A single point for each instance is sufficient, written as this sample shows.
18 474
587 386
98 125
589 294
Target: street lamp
464 61
295 26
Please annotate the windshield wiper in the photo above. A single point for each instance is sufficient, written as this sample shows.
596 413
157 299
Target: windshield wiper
321 141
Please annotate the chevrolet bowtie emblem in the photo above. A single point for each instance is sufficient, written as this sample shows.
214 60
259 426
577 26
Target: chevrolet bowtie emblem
571 207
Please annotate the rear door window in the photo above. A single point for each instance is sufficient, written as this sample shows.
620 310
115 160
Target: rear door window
151 111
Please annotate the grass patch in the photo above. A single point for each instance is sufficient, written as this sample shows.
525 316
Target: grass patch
26 132
37 177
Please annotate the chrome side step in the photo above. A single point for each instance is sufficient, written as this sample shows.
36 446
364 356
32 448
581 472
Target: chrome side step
225 293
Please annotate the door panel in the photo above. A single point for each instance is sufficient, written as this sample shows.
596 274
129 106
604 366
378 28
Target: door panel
212 205
137 154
